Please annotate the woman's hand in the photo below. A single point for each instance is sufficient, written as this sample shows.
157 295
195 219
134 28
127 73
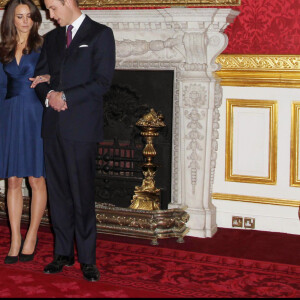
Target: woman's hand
39 79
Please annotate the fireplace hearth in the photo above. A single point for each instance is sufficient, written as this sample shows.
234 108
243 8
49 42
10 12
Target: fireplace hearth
132 95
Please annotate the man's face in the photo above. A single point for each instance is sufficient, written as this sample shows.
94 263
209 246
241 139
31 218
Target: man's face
60 12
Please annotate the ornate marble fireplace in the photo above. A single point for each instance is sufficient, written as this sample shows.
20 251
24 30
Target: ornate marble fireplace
186 41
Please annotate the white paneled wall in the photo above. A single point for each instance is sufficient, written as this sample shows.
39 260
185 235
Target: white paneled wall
250 149
250 141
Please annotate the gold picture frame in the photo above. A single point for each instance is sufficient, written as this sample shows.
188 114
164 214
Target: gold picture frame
145 3
273 117
294 156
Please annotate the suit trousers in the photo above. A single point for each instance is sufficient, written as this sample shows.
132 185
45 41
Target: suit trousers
70 174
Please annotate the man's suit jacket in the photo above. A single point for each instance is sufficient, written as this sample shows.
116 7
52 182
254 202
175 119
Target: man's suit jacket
84 72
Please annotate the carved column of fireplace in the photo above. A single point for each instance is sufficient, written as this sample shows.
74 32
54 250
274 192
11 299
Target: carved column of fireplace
187 41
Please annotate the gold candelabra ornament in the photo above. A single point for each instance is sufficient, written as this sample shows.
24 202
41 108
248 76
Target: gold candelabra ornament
147 196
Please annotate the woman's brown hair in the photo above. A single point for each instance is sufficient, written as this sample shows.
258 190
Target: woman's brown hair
8 43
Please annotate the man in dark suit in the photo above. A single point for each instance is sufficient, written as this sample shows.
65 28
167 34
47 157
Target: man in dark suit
79 56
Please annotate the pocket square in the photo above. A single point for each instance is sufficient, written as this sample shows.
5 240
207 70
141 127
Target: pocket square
82 46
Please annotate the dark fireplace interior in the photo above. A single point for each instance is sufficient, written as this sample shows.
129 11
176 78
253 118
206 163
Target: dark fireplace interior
133 93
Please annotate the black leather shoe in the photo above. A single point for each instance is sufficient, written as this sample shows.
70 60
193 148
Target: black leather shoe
58 263
90 272
28 257
13 259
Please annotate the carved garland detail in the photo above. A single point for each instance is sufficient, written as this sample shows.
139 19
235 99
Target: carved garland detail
195 136
215 132
194 95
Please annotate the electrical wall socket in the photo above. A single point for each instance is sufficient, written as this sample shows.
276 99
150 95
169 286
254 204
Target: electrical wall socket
249 223
237 221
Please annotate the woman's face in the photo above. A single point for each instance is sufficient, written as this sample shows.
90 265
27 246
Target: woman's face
23 21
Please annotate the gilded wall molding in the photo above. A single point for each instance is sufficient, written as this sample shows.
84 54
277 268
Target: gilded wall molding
255 199
259 70
145 3
294 165
272 156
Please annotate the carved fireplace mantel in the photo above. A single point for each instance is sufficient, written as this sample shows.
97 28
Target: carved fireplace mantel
186 41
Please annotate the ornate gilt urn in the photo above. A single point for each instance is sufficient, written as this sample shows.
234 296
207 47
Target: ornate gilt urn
147 196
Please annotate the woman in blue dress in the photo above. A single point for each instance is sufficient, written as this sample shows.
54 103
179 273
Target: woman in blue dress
21 145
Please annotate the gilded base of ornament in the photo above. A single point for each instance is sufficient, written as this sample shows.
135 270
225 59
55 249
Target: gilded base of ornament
152 225
145 200
259 70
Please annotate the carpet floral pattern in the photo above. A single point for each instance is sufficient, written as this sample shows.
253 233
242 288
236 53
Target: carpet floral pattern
129 270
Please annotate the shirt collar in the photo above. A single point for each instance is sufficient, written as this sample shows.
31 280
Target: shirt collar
76 24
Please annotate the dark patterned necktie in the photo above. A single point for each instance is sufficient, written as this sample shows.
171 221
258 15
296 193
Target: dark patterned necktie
69 35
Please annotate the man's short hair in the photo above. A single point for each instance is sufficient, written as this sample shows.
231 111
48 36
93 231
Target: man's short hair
63 2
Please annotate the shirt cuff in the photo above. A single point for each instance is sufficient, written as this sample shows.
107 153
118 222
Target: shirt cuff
47 100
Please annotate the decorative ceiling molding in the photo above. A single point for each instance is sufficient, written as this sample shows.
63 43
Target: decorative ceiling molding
259 70
145 3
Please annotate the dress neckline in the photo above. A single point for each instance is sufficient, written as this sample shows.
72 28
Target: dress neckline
18 64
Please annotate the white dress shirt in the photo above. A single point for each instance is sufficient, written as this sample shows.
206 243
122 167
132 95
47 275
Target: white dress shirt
76 24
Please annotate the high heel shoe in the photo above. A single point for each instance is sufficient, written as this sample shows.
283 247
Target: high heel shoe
13 259
28 257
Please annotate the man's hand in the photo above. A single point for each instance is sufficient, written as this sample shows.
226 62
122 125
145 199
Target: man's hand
56 101
64 107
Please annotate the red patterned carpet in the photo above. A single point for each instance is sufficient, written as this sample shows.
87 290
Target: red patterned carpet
135 270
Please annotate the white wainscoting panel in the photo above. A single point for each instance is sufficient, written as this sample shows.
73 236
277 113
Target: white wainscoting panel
298 134
251 128
282 215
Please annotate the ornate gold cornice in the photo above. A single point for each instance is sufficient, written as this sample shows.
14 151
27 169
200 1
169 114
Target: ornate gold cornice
146 3
255 199
259 70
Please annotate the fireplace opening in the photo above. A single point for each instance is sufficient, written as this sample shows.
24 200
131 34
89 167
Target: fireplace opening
133 93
